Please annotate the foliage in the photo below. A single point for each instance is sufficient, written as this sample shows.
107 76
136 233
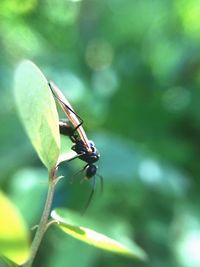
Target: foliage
74 225
131 70
14 238
38 112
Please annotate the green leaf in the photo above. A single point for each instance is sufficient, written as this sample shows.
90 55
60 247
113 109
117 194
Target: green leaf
38 112
75 225
14 239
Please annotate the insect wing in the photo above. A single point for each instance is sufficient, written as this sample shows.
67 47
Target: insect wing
64 103
69 111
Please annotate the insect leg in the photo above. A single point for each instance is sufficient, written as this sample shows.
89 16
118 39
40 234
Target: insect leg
65 158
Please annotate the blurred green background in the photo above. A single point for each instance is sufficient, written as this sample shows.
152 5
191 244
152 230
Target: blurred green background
132 71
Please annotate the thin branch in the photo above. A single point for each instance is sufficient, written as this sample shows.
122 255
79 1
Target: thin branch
44 218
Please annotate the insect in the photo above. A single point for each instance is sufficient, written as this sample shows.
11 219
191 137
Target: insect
84 148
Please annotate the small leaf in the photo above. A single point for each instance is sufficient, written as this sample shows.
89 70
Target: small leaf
38 112
14 237
75 226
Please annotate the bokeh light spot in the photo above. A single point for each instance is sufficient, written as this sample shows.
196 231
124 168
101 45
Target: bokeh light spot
189 13
188 249
105 82
99 54
20 37
63 12
16 7
150 171
176 99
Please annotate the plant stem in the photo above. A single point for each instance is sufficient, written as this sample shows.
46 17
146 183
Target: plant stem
44 219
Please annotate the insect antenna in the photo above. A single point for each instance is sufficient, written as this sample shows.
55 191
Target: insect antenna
90 196
101 182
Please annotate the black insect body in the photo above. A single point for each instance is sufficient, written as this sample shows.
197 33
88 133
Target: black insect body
89 156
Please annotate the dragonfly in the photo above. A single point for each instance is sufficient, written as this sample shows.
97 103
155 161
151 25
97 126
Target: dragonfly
85 149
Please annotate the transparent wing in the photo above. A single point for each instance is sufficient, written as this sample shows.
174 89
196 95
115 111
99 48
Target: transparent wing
71 114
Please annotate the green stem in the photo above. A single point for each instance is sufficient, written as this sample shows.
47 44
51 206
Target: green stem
44 219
